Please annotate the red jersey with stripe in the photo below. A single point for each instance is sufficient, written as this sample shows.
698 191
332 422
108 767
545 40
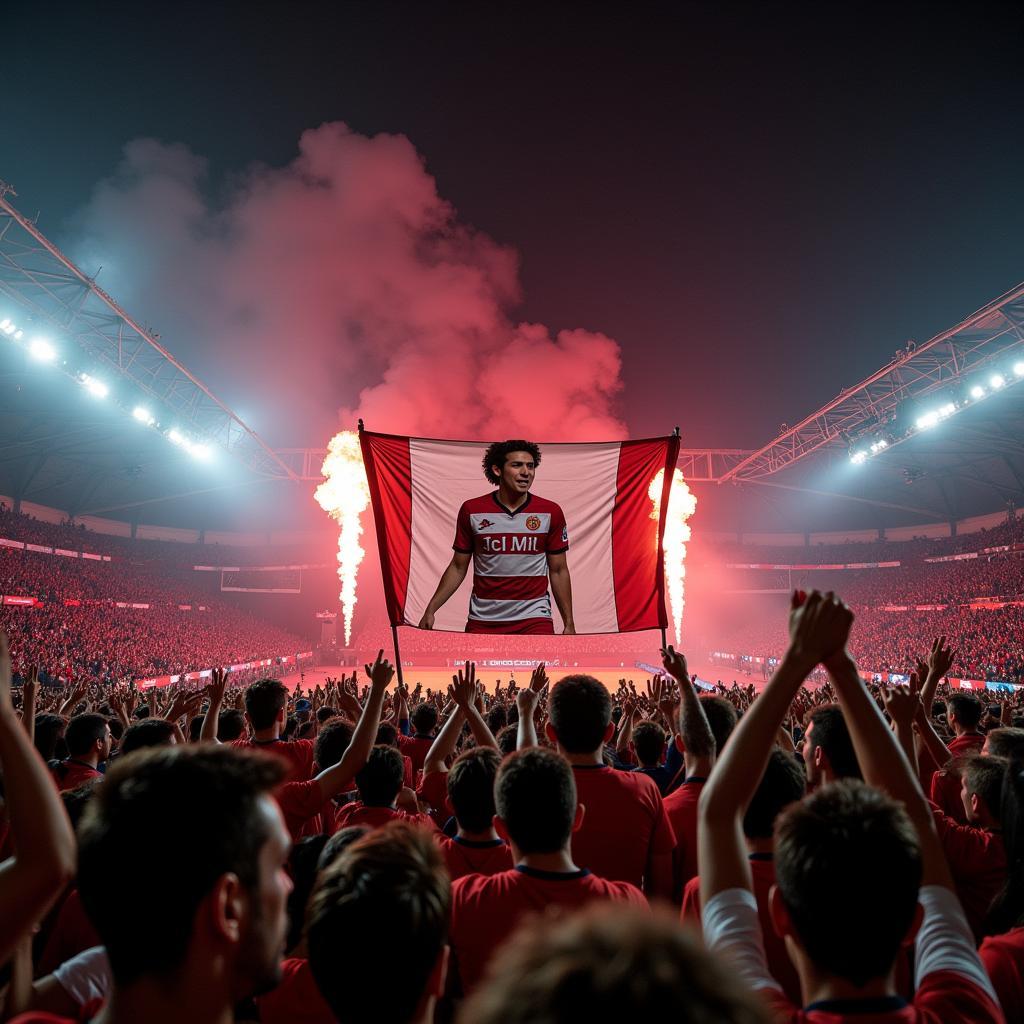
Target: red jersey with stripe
510 562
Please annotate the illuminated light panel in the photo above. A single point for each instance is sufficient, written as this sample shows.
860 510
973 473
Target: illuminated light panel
18 335
41 349
977 391
928 420
858 457
95 387
175 436
880 445
1018 369
143 415
947 410
997 380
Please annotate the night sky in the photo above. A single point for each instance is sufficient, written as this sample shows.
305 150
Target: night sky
759 204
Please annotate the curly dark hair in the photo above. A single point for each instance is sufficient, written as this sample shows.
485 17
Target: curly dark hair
498 452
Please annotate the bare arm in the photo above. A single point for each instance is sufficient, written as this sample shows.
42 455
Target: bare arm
526 702
211 723
45 859
698 739
451 580
561 589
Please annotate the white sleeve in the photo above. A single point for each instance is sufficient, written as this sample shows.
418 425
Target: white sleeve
732 928
86 976
945 941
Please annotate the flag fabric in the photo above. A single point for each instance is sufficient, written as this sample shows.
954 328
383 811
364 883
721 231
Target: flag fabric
590 502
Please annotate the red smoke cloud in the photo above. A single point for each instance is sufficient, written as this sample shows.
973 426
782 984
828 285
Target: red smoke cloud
340 286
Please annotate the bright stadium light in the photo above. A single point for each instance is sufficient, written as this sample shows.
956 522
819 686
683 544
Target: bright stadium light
9 328
18 335
929 419
95 387
997 380
143 415
175 437
858 457
947 410
879 445
977 391
3 323
200 451
42 350
1018 369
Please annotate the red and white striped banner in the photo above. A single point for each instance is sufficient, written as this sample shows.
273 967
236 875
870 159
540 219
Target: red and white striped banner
615 543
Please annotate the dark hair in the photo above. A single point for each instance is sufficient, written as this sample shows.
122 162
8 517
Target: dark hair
608 963
48 732
1004 742
424 718
231 725
649 744
264 701
83 731
498 452
507 739
76 800
303 865
153 732
580 711
497 718
832 735
846 830
1008 907
968 709
783 783
984 777
535 796
721 716
324 713
338 843
471 788
387 734
390 883
379 781
190 814
332 741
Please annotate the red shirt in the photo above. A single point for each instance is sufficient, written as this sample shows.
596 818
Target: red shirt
681 808
71 774
374 817
945 794
470 857
433 790
72 933
303 808
762 868
624 824
968 743
977 859
1003 957
415 748
487 908
297 753
296 1000
510 567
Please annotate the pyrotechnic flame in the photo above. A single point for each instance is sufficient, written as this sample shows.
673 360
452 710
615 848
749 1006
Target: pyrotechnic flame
344 495
681 505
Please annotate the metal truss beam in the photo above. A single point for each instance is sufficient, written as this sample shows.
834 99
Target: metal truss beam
36 275
913 374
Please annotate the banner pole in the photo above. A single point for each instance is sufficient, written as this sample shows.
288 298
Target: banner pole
398 656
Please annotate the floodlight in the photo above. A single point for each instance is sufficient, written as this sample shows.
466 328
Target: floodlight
1018 368
947 410
4 323
95 387
143 415
977 391
42 350
997 380
18 335
929 419
9 329
200 451
858 457
175 437
878 445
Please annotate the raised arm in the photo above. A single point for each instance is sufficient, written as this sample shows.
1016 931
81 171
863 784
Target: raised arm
698 739
818 626
451 580
466 695
45 858
937 663
211 722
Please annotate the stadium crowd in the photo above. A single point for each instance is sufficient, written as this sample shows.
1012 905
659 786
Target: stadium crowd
549 852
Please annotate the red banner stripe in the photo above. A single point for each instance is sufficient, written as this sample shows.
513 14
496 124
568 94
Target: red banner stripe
510 588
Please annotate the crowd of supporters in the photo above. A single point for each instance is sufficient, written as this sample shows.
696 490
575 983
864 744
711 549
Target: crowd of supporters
548 852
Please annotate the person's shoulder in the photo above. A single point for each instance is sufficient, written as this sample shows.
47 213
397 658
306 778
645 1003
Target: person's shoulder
539 504
475 887
625 892
482 503
956 997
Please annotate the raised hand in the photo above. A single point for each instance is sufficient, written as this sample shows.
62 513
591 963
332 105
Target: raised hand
539 679
218 685
31 688
819 626
675 664
903 703
381 672
940 657
463 690
6 703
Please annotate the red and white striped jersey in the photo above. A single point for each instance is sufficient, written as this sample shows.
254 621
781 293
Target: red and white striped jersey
510 567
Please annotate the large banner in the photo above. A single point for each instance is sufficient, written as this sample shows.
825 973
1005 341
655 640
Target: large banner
584 513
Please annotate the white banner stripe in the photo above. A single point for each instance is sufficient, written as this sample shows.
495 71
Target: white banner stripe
509 611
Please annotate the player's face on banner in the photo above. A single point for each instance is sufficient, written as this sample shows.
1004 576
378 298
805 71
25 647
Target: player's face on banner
518 472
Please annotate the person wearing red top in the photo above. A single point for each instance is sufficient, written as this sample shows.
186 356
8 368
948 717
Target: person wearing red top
266 711
296 999
88 739
782 784
883 848
517 542
626 835
389 889
303 801
701 744
417 746
964 715
388 734
537 813
379 783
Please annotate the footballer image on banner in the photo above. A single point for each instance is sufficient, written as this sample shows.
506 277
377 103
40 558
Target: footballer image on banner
526 578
